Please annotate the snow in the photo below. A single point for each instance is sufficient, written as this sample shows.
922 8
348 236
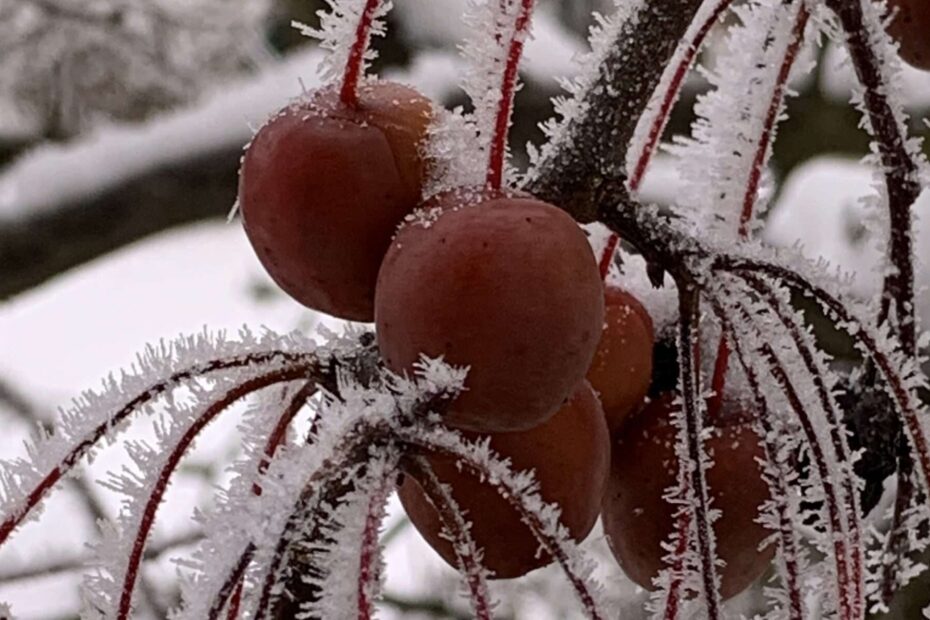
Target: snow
837 80
823 210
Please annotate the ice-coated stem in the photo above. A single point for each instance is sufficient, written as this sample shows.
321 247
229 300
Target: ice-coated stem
695 460
900 170
431 441
776 103
903 188
453 522
275 439
355 65
34 499
325 487
673 599
840 519
278 435
370 552
242 390
817 372
787 539
498 148
685 56
866 340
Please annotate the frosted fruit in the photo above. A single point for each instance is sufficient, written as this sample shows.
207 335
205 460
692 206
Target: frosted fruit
622 368
637 519
506 285
911 29
323 187
569 454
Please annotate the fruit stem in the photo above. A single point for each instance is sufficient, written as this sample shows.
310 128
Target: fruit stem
718 383
17 515
498 149
691 436
608 255
454 523
777 482
369 555
289 373
355 66
671 94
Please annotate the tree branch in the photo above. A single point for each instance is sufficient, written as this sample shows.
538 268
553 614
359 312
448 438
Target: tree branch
51 240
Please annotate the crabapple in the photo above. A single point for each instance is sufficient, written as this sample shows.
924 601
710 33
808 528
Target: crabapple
637 519
910 27
622 368
502 283
570 455
324 185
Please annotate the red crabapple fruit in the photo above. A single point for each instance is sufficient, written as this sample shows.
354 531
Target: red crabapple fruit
504 284
911 29
570 455
637 519
323 187
622 368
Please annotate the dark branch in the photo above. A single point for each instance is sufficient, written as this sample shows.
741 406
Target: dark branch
592 151
55 238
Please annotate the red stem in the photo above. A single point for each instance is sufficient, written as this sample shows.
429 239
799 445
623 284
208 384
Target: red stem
431 441
671 95
718 383
495 176
841 555
901 171
689 343
785 313
355 66
450 515
907 404
33 499
275 439
290 373
277 436
607 256
368 557
777 483
683 527
235 602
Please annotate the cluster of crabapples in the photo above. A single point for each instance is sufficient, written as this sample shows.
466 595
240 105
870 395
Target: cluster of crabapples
507 285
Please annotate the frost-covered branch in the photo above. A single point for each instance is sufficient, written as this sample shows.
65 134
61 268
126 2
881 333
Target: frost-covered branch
877 66
630 52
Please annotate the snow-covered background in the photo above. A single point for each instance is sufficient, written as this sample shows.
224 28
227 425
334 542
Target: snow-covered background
64 336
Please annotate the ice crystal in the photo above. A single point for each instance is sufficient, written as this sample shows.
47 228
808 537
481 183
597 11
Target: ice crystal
101 415
337 33
720 158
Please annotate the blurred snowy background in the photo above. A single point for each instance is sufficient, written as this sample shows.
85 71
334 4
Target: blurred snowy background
121 125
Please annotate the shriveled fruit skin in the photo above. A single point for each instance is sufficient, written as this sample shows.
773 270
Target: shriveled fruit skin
323 187
637 519
911 29
506 285
570 455
622 368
